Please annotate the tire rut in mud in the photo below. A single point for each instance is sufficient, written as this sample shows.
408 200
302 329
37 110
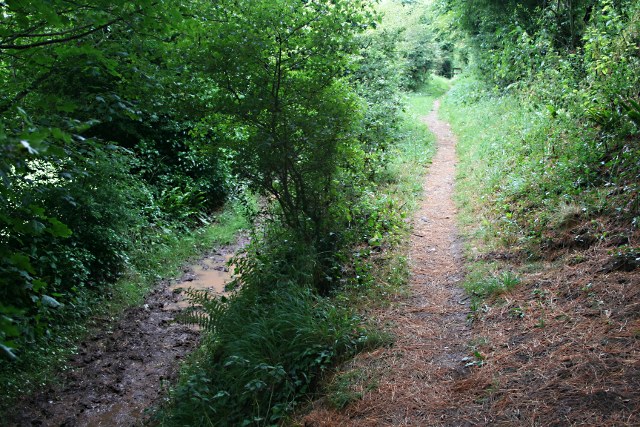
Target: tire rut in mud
118 373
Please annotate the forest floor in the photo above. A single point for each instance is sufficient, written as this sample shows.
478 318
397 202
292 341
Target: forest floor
562 347
413 378
123 370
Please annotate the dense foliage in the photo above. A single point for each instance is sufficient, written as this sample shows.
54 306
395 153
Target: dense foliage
565 78
316 138
97 161
127 123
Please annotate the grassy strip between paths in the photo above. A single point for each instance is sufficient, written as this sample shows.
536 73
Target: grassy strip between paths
40 364
409 166
273 344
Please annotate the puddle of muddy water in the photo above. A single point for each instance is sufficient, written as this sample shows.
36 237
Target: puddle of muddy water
212 274
120 372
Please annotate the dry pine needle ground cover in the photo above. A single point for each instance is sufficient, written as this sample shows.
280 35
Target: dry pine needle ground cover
561 348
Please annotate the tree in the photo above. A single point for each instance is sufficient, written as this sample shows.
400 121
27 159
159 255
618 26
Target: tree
78 78
283 105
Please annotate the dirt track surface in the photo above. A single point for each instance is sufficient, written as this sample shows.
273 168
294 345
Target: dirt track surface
430 325
120 373
560 349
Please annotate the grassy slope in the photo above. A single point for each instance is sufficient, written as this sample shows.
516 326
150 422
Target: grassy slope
555 316
40 365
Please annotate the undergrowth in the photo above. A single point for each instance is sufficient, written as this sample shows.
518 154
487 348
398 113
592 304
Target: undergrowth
275 341
265 350
528 174
47 356
526 170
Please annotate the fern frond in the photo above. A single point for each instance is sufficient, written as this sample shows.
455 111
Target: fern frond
205 310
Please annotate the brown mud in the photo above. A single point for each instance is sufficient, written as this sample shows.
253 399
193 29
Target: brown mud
415 375
121 372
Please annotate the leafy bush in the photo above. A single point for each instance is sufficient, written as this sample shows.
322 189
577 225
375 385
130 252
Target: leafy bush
266 349
65 227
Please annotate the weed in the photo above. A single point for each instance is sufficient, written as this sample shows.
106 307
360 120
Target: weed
477 342
566 215
483 287
476 358
350 386
516 312
540 293
265 351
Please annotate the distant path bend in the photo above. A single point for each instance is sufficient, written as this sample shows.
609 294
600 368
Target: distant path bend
419 370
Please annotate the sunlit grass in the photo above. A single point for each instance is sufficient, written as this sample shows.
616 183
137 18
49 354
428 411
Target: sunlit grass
421 101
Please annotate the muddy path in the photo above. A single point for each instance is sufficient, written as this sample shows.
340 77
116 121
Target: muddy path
120 372
415 376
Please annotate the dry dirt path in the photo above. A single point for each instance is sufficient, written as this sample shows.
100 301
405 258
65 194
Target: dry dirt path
418 372
121 372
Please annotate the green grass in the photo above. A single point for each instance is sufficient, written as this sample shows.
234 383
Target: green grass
525 172
484 280
421 101
351 386
273 343
410 160
40 364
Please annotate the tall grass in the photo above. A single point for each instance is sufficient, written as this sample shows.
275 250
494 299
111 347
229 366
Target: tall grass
263 354
518 165
528 172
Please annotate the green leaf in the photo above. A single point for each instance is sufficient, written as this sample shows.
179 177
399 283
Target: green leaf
58 229
38 285
22 262
35 227
8 352
51 302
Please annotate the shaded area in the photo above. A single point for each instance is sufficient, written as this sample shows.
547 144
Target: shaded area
121 372
563 348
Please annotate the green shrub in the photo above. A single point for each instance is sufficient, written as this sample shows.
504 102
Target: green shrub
265 351
65 227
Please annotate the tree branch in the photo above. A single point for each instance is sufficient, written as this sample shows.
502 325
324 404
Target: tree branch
24 92
60 40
